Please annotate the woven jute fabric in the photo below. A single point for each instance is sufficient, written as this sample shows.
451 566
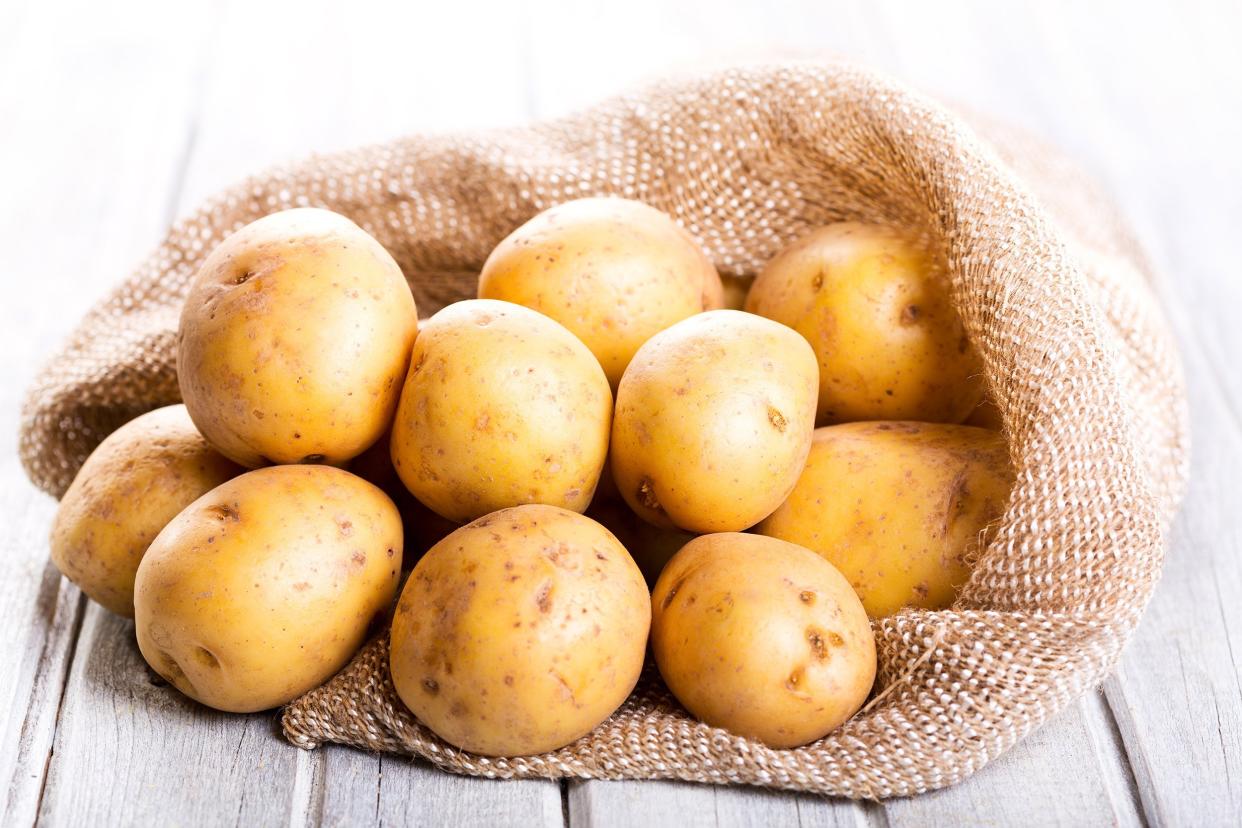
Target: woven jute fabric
1052 290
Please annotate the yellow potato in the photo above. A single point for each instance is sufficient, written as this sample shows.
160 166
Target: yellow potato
713 422
264 587
651 547
875 306
897 507
133 483
294 339
613 271
502 406
520 632
761 637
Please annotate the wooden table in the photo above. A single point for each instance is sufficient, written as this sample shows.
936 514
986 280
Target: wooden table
117 117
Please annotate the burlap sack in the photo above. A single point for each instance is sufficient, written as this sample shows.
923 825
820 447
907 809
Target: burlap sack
1052 290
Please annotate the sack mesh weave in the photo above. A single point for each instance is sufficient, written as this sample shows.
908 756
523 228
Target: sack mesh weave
1051 288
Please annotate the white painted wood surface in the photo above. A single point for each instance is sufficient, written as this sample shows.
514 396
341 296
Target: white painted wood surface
116 117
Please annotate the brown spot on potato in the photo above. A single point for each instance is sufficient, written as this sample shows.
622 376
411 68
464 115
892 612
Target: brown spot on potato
777 419
508 681
672 593
244 277
795 678
223 512
301 586
835 639
543 598
910 314
431 686
647 496
391 551
806 596
359 557
312 459
816 639
818 281
346 527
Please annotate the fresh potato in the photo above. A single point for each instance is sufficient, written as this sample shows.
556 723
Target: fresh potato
265 586
133 483
613 271
761 637
898 507
520 632
874 304
651 547
502 406
713 422
294 339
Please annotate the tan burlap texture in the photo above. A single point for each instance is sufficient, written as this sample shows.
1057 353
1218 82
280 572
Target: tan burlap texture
1053 292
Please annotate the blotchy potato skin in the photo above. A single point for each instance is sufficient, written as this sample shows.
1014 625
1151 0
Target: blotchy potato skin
265 587
874 304
761 637
612 270
520 632
294 340
898 507
713 422
131 486
502 406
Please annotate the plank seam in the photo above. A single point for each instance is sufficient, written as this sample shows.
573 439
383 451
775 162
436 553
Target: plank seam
79 611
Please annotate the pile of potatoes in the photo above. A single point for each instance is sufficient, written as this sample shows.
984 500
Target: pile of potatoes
592 457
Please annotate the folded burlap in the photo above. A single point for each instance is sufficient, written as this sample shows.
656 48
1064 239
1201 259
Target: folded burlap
1052 290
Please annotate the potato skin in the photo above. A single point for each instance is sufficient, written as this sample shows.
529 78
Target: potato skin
761 637
613 271
520 632
713 422
502 406
897 507
131 486
875 306
265 587
294 339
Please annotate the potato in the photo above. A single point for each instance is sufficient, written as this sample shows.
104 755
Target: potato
264 587
874 304
898 507
613 271
294 339
761 637
713 422
520 632
651 547
133 483
502 406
